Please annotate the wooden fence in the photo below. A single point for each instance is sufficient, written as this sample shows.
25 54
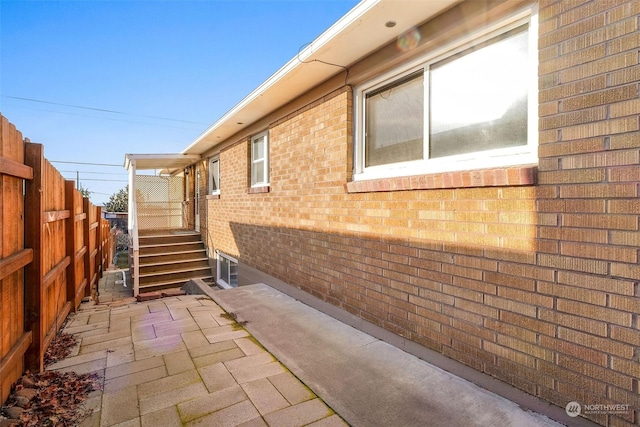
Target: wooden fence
54 247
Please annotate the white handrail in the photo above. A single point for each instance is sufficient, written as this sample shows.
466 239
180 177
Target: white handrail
133 229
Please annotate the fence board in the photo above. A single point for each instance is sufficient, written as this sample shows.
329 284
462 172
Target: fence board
107 247
34 157
14 340
90 241
14 262
53 250
46 285
10 167
76 280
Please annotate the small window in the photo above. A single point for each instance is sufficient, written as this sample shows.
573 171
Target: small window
395 122
260 160
214 175
227 271
473 107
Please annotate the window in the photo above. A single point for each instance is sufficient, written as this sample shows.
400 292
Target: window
260 160
214 175
473 107
226 271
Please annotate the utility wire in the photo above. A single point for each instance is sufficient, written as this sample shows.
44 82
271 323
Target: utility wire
102 180
97 173
346 77
100 109
103 118
82 163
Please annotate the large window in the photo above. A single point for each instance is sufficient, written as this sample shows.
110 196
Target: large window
260 160
473 107
214 175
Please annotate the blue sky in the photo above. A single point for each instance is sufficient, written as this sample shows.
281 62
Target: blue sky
164 70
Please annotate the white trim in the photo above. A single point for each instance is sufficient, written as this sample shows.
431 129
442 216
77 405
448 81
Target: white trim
265 160
526 154
219 280
196 198
212 159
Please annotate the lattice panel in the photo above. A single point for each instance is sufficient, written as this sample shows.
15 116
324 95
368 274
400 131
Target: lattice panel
160 202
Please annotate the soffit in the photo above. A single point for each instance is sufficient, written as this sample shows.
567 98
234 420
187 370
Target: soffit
167 163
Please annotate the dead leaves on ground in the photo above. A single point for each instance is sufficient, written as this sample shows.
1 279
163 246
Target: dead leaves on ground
56 398
59 348
52 398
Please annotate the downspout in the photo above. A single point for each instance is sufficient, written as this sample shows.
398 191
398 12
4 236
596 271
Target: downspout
134 247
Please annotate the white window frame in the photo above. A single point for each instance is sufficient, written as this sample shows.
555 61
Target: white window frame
212 160
226 282
265 179
500 157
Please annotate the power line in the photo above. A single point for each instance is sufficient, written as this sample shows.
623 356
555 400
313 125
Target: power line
103 180
96 173
100 109
82 163
104 118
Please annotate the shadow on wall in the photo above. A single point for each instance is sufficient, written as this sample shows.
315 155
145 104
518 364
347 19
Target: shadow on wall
515 315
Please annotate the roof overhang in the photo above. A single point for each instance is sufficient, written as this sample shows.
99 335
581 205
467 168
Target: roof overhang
165 163
358 33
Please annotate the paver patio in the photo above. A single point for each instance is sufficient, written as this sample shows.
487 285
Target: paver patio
181 361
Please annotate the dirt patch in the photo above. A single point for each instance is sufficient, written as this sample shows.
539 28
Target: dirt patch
237 324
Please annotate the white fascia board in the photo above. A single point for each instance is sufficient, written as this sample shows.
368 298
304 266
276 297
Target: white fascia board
159 161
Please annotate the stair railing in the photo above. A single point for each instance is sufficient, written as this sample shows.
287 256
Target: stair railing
134 244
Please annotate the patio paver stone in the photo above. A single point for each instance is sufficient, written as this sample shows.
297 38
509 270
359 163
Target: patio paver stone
178 361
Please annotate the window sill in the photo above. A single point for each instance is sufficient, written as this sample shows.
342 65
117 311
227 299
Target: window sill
213 196
495 177
258 190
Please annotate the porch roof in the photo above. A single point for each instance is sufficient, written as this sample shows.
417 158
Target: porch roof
166 163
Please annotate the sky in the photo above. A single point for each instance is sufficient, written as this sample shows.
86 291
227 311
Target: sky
94 80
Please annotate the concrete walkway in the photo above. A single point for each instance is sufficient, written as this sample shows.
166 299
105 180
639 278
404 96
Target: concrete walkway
365 380
182 361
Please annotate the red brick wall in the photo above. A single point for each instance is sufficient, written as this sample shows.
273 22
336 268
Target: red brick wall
536 285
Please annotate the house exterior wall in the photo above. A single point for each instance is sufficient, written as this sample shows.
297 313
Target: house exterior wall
588 205
534 283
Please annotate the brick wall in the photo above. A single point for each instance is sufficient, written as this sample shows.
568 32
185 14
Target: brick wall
588 193
536 285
